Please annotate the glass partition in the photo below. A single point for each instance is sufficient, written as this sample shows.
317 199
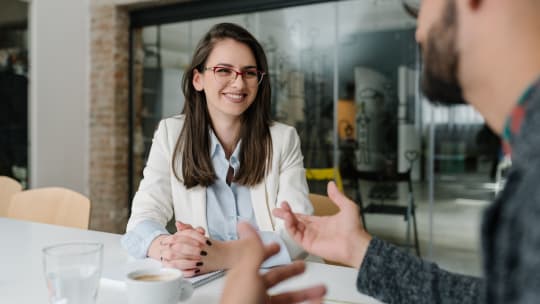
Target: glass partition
300 46
14 47
345 74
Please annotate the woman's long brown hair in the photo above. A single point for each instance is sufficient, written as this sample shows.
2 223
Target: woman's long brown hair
193 144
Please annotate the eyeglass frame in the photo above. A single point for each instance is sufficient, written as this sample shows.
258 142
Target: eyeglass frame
241 73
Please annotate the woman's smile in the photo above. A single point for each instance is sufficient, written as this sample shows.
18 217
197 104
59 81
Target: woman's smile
234 97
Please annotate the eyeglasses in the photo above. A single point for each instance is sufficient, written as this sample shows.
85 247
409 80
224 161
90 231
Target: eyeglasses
225 75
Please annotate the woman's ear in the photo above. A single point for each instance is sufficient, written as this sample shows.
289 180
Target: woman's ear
197 81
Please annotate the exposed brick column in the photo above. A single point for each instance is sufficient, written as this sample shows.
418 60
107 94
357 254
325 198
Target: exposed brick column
109 92
109 85
138 141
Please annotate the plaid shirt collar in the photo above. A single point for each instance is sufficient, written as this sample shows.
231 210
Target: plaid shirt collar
514 121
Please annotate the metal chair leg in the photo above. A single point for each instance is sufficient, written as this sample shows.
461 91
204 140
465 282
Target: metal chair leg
408 233
416 241
361 206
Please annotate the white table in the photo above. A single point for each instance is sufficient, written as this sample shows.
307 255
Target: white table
22 280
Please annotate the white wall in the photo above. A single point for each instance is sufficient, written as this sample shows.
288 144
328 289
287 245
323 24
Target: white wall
59 90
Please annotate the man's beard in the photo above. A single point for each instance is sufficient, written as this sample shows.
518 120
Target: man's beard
439 75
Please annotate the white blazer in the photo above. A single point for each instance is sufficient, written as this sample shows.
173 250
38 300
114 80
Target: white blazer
161 195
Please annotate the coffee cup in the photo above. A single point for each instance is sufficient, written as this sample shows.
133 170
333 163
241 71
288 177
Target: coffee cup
157 286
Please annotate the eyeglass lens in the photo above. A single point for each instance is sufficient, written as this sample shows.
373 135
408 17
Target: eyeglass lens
225 75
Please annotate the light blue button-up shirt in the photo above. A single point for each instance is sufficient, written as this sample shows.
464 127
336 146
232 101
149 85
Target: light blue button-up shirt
225 207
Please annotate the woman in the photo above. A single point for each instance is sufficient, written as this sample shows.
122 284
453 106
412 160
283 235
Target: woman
223 160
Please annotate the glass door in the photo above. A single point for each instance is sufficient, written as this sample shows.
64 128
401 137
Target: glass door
14 91
345 74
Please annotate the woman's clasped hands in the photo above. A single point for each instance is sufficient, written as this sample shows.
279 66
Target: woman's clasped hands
185 250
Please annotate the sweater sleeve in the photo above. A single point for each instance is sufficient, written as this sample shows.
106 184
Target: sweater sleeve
394 276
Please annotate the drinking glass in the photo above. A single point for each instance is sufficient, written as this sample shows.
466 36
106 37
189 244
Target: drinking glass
72 272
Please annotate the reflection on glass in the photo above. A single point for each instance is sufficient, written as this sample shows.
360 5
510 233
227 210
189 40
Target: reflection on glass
346 75
14 67
299 49
299 44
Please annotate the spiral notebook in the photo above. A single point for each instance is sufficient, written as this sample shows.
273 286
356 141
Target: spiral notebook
206 278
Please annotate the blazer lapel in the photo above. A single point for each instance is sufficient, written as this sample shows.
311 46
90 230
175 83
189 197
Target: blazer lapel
259 201
197 200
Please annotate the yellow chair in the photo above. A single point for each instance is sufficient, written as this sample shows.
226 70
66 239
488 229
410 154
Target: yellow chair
8 187
57 206
325 174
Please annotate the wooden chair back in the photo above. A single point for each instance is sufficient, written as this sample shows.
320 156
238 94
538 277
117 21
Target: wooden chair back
57 206
8 187
322 205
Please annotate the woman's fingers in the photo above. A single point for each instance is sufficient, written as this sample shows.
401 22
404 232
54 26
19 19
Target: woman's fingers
200 230
185 240
179 236
169 255
181 247
195 235
183 264
187 251
188 273
182 226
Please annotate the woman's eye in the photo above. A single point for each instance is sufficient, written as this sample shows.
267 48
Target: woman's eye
251 73
224 71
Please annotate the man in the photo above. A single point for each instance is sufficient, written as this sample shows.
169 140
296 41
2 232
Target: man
487 51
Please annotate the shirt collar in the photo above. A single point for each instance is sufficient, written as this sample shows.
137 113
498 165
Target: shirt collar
514 121
216 147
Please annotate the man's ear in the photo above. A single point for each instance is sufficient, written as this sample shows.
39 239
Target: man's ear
197 81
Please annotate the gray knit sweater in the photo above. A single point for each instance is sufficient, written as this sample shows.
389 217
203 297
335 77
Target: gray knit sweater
510 240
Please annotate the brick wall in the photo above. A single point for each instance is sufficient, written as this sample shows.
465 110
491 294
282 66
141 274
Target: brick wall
109 89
